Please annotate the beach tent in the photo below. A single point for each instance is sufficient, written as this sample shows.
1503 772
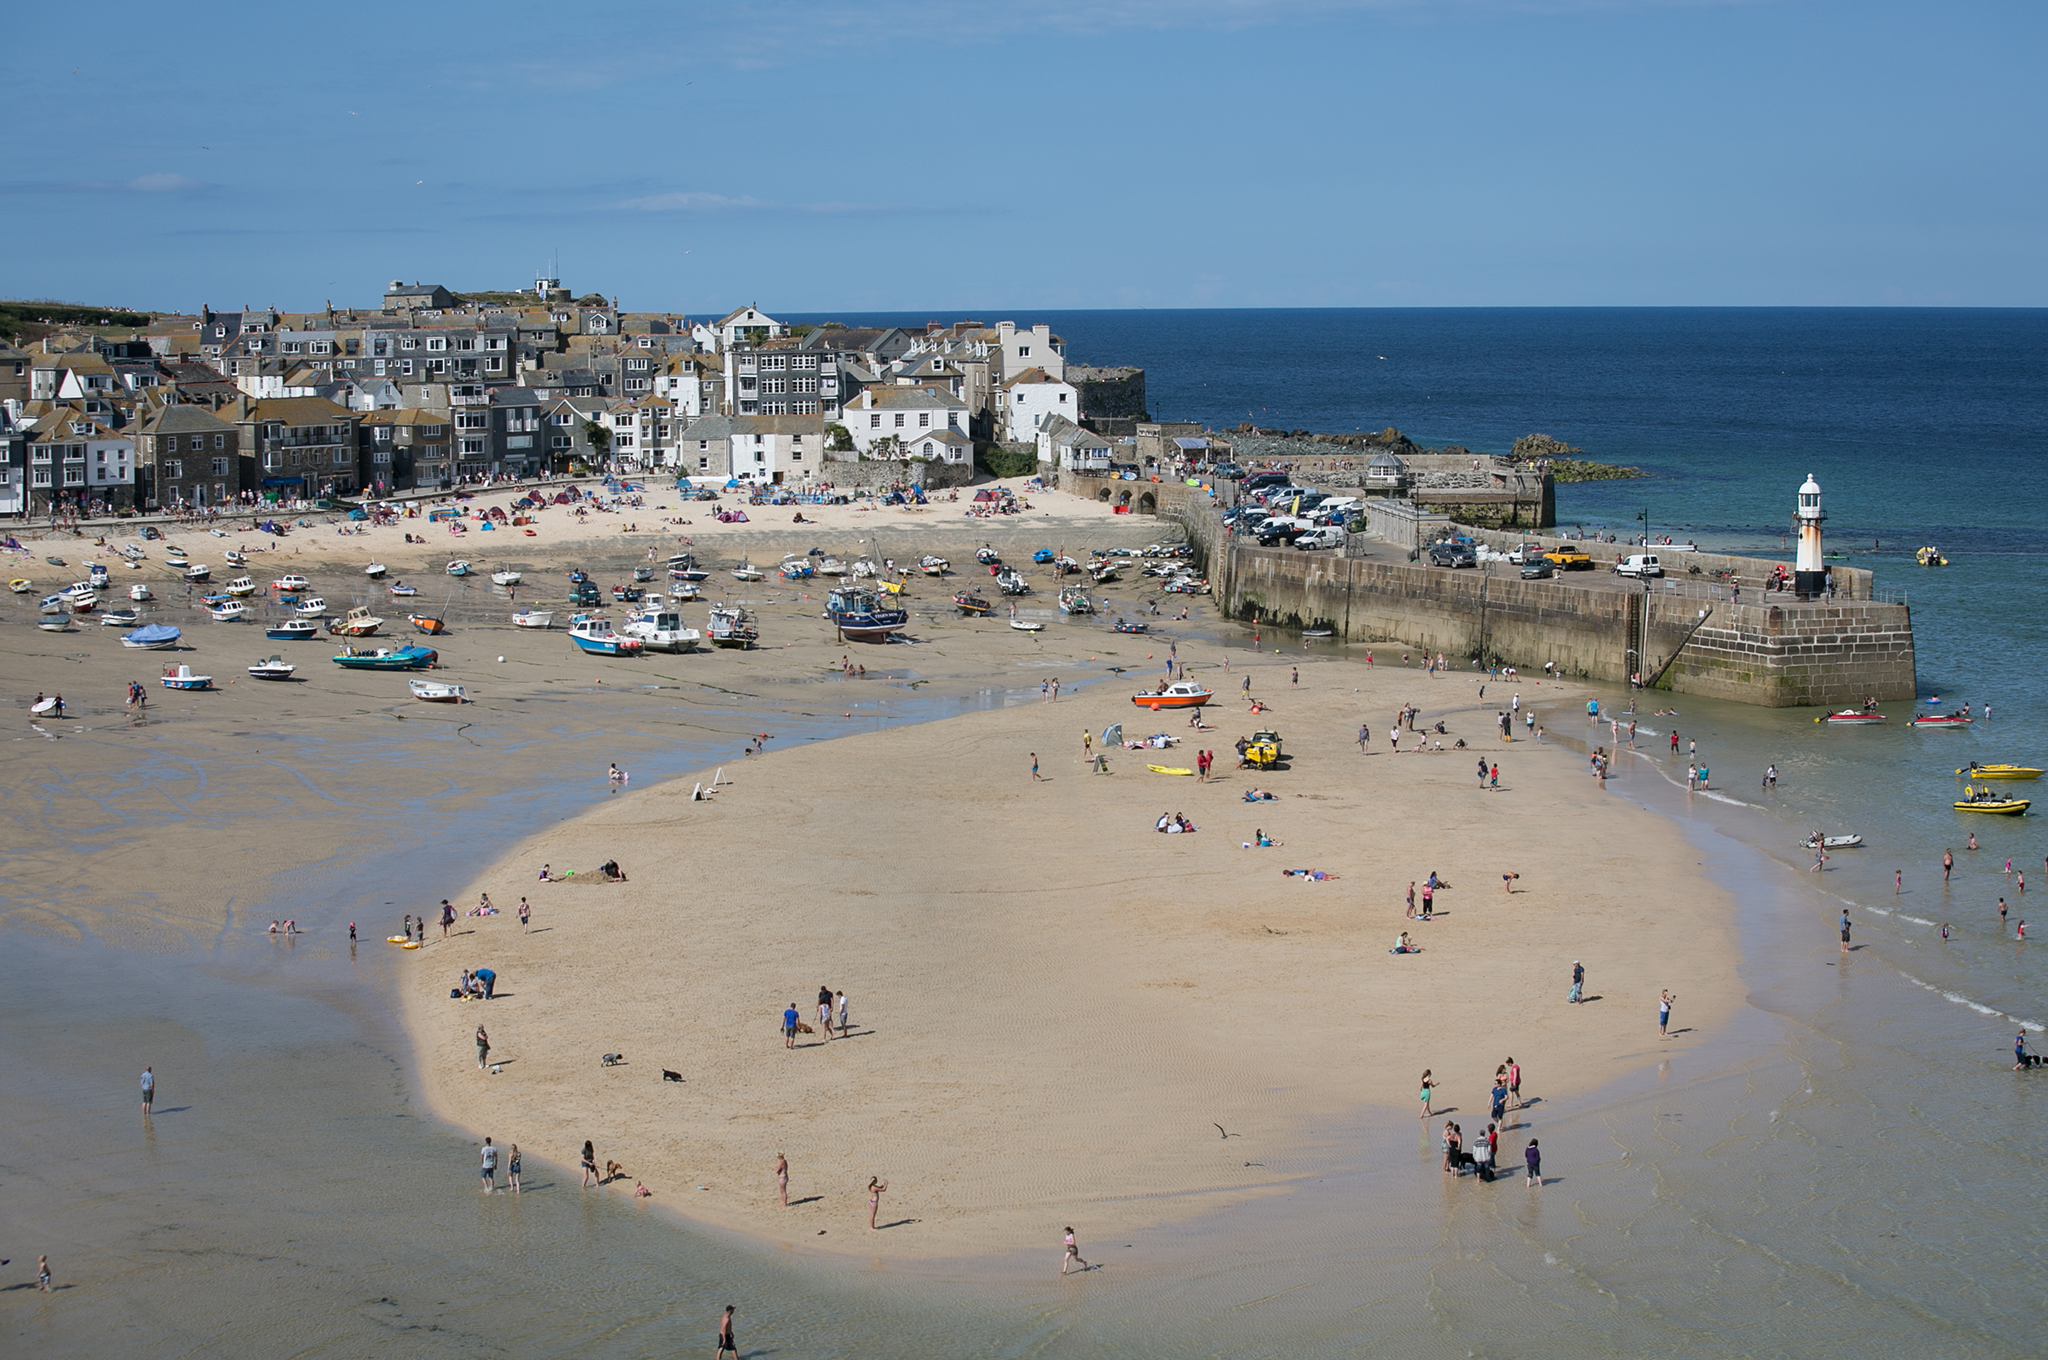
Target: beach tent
1113 735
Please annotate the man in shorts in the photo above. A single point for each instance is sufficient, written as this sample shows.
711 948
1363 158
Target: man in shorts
490 1166
789 1018
148 1090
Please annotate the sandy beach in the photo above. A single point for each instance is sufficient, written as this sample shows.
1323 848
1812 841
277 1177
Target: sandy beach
1054 1007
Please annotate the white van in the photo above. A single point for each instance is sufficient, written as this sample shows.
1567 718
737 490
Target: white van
1329 536
1639 564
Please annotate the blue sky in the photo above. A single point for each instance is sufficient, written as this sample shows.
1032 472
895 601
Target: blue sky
907 155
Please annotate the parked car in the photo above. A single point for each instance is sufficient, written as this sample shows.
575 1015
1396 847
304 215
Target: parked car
1329 536
1566 557
1452 555
1281 529
584 592
1258 481
1639 565
1538 568
1525 553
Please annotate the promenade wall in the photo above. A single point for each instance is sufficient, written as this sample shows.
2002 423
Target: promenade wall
1769 650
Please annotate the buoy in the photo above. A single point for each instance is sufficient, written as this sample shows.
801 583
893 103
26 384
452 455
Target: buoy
501 660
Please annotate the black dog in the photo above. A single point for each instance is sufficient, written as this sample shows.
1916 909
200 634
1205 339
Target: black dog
667 1075
612 1059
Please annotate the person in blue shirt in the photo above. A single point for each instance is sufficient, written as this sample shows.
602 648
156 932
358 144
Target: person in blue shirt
789 1019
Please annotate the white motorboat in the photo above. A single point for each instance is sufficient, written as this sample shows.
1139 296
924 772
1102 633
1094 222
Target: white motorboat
218 533
591 633
155 637
682 592
236 557
458 567
375 571
831 566
175 557
863 568
291 630
747 571
533 618
505 578
229 611
435 692
1027 626
242 586
131 552
120 618
932 565
198 571
181 677
732 626
273 667
54 623
312 607
291 583
662 631
21 585
139 591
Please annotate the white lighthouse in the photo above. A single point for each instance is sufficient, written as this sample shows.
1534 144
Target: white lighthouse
1809 577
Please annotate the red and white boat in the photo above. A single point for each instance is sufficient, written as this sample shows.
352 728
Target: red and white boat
1941 720
1852 715
1179 694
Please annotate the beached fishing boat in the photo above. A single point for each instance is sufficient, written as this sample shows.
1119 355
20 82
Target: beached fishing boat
1123 627
359 622
970 604
198 571
426 623
1011 582
533 618
1833 843
594 635
227 611
54 623
643 574
863 568
120 618
291 583
459 567
625 594
242 586
132 552
1851 715
858 616
402 591
140 592
375 571
1074 600
181 677
78 590
662 630
292 629
435 692
987 556
84 604
96 575
1940 720
1179 694
1027 625
312 607
173 557
273 667
831 566
407 658
747 571
1976 771
235 557
1102 573
505 578
683 591
684 567
21 585
731 626
1998 804
151 637
931 564
796 568
578 577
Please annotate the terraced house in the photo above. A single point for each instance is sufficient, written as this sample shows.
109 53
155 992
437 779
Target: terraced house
406 449
187 456
303 446
79 461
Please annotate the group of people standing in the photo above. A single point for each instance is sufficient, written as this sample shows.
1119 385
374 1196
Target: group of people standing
1483 1154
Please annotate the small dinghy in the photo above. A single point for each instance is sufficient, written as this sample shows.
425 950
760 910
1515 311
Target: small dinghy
292 629
533 618
1833 843
402 591
435 692
54 623
458 567
273 668
181 677
426 623
151 638
747 571
509 578
1123 627
1027 626
970 604
120 618
375 571
21 585
1851 716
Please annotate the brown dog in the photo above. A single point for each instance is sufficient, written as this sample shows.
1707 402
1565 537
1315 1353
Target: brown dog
802 1028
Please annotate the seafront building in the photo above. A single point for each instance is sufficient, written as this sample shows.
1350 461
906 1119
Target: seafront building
434 389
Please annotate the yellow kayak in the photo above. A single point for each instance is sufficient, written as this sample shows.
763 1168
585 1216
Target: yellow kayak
1999 772
1167 769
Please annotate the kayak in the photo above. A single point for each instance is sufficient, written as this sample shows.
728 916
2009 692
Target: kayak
1167 769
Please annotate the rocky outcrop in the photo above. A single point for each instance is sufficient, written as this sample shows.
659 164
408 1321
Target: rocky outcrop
1531 447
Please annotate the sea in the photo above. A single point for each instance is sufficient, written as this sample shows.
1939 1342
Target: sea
1848 1166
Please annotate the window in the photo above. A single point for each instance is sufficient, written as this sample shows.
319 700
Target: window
408 342
377 367
560 441
494 365
436 343
380 456
405 369
437 365
472 446
174 468
774 386
746 384
471 420
74 476
561 418
874 422
703 464
1023 351
774 363
220 441
1063 396
39 477
899 420
220 467
924 418
803 384
796 455
381 433
340 457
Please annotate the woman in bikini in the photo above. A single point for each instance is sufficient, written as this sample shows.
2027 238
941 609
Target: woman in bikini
589 1165
876 1188
782 1177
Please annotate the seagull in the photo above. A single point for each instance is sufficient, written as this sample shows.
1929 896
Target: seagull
1219 1129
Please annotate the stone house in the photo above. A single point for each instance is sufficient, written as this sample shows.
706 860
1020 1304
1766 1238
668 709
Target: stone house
901 414
304 447
187 456
404 450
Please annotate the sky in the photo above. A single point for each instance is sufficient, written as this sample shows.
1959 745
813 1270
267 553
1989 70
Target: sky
937 155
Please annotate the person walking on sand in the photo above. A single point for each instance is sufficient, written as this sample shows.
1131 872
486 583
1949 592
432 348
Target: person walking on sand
789 1018
1532 1157
726 1342
1428 1088
1294 676
1364 738
825 1010
1514 1083
1578 990
525 915
1493 778
1664 1012
1034 768
1073 1254
148 1091
589 1164
1845 930
489 1166
1499 1095
782 1178
1898 882
483 1047
447 917
876 1189
512 1170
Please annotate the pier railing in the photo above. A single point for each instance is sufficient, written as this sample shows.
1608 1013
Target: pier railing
1752 593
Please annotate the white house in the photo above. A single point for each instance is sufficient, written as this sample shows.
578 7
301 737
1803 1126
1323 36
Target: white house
741 326
763 450
1035 348
691 385
902 414
1029 399
941 446
1067 446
